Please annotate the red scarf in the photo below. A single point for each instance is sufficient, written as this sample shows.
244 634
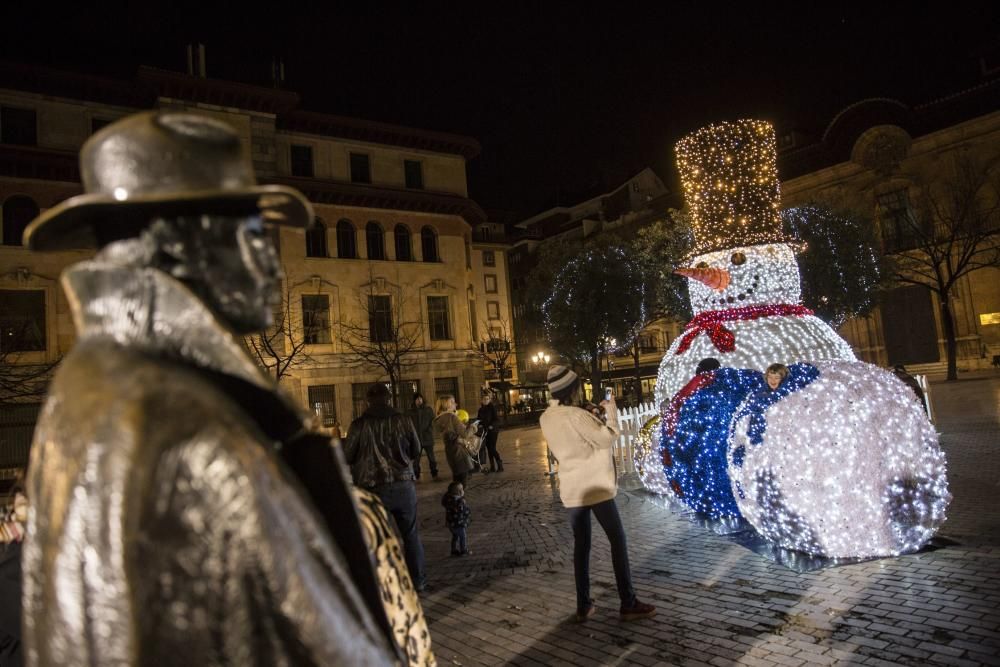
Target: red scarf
725 340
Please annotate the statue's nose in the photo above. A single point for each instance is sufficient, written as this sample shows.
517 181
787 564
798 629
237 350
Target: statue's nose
717 279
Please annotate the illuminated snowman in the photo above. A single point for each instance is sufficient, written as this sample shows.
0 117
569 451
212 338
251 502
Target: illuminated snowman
839 461
743 280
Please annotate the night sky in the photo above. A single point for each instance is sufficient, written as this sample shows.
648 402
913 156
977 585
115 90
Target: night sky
566 102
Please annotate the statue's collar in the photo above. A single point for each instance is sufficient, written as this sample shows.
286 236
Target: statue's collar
149 310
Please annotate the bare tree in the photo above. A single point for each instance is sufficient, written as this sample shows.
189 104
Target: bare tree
387 333
22 382
954 231
495 349
282 347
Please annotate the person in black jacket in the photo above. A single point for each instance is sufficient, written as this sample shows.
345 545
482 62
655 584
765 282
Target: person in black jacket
490 422
422 416
381 447
456 516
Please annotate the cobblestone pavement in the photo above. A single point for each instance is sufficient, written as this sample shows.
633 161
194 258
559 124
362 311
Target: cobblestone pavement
719 603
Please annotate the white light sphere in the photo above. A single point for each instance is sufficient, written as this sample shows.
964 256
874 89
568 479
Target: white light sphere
847 467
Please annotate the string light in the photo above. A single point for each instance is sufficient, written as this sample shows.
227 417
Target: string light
841 463
840 460
729 173
695 435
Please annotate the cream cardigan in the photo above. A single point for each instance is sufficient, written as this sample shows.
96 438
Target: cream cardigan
583 445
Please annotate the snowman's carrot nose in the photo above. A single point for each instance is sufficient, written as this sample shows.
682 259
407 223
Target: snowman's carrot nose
717 279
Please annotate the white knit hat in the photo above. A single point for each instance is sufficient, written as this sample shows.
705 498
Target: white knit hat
559 378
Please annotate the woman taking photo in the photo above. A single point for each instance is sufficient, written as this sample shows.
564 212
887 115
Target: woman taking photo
453 431
582 441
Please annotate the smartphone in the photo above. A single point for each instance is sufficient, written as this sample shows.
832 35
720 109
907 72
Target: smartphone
608 393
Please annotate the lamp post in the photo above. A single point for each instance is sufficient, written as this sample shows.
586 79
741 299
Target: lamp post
540 358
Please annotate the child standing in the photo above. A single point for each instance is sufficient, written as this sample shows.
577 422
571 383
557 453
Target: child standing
457 517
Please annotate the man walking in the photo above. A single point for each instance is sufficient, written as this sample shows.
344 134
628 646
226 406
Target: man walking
422 416
381 447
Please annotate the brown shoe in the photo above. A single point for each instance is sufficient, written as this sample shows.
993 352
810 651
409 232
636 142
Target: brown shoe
637 611
583 614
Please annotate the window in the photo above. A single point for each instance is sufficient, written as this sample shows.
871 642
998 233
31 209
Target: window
489 259
899 229
493 310
375 240
361 171
22 321
437 317
18 126
491 283
316 239
429 245
347 247
358 393
468 252
404 253
316 319
98 124
379 318
473 327
322 402
407 388
302 161
446 387
17 212
414 174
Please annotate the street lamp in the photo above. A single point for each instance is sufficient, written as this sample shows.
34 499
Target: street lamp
540 358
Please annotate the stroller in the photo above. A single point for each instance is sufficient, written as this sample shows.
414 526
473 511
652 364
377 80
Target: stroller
475 445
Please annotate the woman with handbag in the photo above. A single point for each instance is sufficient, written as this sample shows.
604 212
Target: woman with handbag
458 438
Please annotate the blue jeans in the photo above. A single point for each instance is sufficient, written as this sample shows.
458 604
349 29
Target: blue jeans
611 522
400 500
458 545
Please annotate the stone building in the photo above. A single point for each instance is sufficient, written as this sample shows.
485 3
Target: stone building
878 157
392 241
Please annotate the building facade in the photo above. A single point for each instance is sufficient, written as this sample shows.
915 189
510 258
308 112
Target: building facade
392 246
880 158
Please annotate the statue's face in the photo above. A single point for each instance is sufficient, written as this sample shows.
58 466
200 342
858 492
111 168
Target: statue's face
232 264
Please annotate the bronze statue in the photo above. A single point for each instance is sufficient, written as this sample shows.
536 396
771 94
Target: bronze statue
182 513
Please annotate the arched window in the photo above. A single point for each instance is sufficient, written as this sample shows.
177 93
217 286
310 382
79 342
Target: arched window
316 239
375 240
429 245
404 253
18 211
347 244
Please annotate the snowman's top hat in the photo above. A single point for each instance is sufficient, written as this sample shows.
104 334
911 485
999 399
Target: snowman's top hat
730 177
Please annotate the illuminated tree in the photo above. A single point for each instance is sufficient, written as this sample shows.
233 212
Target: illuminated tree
594 306
841 264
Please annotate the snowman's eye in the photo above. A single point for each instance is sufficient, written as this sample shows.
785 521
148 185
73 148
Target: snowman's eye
701 265
738 258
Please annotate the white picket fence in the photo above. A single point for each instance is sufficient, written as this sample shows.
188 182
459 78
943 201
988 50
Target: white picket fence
630 420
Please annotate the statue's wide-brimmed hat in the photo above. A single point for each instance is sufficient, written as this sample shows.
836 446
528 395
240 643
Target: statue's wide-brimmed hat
729 173
160 165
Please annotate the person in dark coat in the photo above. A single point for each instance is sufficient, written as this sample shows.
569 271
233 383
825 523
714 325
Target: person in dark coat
489 421
12 519
456 516
381 446
422 416
899 370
